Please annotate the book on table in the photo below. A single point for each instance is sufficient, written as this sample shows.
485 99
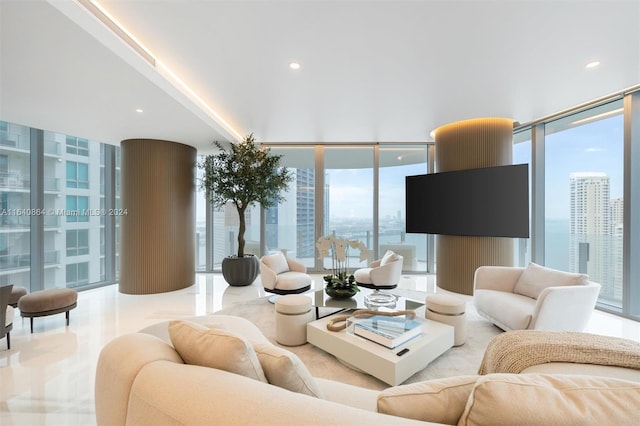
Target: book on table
388 331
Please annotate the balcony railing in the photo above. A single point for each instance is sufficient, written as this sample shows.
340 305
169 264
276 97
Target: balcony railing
23 260
14 180
13 140
52 148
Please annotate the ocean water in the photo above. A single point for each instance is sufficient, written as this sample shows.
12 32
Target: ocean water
556 244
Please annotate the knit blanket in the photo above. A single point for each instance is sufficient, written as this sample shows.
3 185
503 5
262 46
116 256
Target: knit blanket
514 351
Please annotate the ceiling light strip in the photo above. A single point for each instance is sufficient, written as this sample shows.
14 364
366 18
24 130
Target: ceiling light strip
99 12
118 29
167 73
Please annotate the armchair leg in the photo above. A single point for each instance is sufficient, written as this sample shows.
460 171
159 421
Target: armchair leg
8 341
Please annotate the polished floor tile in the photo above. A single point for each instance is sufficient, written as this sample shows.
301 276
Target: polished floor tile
47 377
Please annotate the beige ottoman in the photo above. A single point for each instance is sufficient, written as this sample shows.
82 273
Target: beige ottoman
293 312
448 310
47 302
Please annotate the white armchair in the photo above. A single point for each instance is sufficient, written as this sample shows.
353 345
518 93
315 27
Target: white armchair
534 298
381 274
282 275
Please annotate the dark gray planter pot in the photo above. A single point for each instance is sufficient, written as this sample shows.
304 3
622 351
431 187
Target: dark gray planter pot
240 271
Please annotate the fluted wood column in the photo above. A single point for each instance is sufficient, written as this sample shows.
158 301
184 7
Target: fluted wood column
157 235
471 144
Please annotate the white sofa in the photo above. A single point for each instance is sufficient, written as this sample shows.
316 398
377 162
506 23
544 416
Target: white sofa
534 298
141 379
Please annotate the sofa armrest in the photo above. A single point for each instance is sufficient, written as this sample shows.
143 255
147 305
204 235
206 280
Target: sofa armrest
119 363
267 276
500 278
565 308
296 266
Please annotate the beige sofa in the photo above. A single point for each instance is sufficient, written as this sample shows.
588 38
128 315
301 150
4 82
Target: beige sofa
142 380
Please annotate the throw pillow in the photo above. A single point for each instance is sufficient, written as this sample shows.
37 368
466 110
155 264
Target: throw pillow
536 278
388 257
437 401
284 369
507 399
276 262
215 348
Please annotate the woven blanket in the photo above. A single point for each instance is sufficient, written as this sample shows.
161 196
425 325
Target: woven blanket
514 351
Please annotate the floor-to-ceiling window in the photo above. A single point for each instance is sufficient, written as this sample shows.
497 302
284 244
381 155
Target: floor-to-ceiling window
584 177
396 162
522 155
74 194
352 201
55 212
349 197
290 226
15 192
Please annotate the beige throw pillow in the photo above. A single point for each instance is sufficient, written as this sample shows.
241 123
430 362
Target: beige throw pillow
284 369
508 399
388 257
438 401
277 262
215 348
536 278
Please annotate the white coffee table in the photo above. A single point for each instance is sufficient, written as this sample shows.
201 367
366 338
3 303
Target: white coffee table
378 360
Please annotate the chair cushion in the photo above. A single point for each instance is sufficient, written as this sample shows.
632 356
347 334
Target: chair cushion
215 348
292 281
536 278
284 369
276 262
506 399
388 257
437 401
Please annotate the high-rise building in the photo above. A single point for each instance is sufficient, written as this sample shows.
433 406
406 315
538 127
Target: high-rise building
590 228
70 203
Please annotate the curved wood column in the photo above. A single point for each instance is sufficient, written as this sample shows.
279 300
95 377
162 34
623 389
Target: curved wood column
471 144
157 235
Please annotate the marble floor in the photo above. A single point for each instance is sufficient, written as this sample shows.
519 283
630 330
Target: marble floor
47 377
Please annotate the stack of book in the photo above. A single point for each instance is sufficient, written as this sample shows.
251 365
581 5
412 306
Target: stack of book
387 331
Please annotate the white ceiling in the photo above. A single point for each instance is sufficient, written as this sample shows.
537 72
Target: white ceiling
371 71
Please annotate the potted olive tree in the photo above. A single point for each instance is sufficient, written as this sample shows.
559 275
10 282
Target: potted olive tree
244 174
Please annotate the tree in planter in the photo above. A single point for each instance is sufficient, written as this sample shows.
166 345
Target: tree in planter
244 175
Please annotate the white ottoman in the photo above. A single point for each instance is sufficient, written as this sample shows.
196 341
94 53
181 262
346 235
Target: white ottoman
448 310
293 312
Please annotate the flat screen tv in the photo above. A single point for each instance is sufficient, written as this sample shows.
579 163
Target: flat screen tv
488 202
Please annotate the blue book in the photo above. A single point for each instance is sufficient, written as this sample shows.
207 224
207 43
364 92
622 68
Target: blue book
388 331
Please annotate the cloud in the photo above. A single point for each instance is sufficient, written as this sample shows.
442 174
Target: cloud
595 150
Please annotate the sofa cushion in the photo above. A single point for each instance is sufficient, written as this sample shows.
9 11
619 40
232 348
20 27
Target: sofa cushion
215 348
284 369
536 278
438 401
277 262
507 399
509 311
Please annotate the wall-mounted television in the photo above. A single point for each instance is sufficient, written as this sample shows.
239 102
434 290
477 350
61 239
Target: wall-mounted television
488 202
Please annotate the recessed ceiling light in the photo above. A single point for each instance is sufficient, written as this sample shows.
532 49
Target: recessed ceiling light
294 65
139 110
592 64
